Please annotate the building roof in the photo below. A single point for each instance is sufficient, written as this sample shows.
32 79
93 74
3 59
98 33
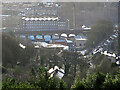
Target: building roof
71 35
69 41
22 46
61 40
64 35
80 38
60 72
41 18
44 44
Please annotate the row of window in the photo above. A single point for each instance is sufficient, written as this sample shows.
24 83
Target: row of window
32 12
47 22
41 24
41 29
81 45
44 27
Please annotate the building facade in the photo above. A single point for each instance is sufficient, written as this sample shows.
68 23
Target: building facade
80 41
59 41
44 23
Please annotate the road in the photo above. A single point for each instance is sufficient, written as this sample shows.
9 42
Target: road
103 48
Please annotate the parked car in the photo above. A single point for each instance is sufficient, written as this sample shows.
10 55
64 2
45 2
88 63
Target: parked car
108 41
114 36
105 44
111 37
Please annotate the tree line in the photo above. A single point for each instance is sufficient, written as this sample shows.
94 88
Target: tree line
13 53
42 81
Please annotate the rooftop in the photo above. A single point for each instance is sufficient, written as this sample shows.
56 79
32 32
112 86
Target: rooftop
61 40
58 72
80 37
40 18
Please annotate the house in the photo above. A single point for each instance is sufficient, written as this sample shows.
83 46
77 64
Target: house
70 45
80 41
56 72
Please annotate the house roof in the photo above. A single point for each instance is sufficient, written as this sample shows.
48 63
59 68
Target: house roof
60 72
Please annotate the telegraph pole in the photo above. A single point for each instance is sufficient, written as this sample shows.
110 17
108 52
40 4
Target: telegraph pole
118 28
74 22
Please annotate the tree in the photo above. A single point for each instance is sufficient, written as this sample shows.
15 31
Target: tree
100 30
78 84
15 21
108 83
11 83
91 81
95 81
62 85
10 50
26 54
70 58
103 64
43 81
116 81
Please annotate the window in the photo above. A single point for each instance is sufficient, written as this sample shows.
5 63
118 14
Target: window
80 44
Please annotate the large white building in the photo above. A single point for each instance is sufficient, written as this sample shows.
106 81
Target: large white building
44 23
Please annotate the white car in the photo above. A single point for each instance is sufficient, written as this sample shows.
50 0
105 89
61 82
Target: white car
105 44
100 49
114 55
105 52
109 54
117 57
111 37
114 36
108 41
118 62
36 46
95 51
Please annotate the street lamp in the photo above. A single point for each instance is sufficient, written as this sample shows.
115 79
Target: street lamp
68 23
